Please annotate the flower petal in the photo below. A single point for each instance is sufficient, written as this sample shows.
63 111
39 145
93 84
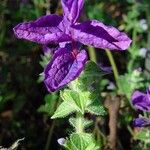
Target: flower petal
44 30
141 122
72 9
141 101
63 68
97 34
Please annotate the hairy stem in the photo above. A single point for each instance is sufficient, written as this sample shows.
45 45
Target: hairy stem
79 125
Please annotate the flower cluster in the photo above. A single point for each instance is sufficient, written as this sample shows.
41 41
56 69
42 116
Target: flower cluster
141 101
68 59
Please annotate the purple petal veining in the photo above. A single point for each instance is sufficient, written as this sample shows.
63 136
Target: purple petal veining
63 68
72 9
44 30
97 34
141 122
141 100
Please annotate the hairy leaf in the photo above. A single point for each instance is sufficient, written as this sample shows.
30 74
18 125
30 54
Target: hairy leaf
82 141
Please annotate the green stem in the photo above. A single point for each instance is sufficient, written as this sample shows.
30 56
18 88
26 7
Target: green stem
36 8
130 130
79 125
92 54
50 135
48 7
147 61
130 65
134 35
132 60
113 64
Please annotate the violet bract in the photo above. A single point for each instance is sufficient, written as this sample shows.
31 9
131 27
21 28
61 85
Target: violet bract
141 101
141 122
67 63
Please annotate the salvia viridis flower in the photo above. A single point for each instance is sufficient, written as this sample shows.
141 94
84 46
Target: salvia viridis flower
141 101
68 60
141 122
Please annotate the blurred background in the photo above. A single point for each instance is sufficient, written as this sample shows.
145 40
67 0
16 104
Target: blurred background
26 106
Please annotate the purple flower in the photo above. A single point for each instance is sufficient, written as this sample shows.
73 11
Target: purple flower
141 100
64 67
141 122
68 62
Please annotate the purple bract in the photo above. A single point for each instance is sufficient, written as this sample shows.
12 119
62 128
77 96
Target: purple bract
141 101
67 63
141 122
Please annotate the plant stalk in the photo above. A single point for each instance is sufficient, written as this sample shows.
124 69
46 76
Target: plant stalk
132 60
147 60
79 125
114 66
50 135
92 54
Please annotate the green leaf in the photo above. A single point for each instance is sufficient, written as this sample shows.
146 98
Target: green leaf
92 146
90 77
143 135
129 82
82 141
93 70
50 104
86 123
45 59
64 109
79 100
77 85
97 109
92 73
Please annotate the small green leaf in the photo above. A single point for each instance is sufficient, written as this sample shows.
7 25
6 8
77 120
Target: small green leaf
64 109
50 104
45 59
89 77
97 109
143 135
65 95
86 123
81 141
77 85
92 146
93 70
80 100
130 81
